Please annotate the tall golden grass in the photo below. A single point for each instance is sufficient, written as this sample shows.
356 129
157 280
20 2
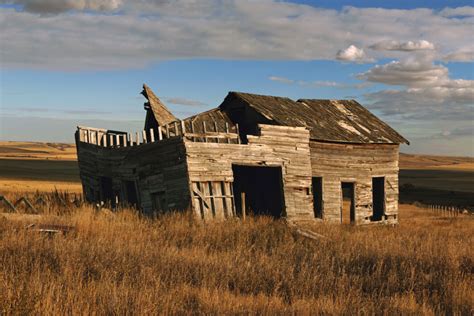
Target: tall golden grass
123 263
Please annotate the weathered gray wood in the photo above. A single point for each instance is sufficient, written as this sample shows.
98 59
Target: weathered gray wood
237 132
183 128
160 135
152 135
218 199
124 140
8 203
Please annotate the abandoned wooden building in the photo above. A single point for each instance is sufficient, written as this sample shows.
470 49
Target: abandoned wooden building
328 160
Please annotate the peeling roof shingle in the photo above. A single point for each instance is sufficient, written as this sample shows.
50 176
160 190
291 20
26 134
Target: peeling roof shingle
328 120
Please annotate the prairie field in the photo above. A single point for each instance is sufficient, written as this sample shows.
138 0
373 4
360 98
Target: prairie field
124 263
121 263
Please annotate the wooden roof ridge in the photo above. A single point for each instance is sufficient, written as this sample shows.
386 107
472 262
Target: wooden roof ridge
161 113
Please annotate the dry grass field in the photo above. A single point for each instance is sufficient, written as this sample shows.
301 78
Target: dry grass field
122 263
30 166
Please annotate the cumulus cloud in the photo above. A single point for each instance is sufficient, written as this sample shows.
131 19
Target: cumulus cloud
149 31
58 6
411 72
184 101
403 46
353 54
427 91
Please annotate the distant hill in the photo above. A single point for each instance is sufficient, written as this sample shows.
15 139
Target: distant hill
409 161
61 151
37 150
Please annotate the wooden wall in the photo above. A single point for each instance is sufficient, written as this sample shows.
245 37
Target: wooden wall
210 165
157 169
337 163
177 172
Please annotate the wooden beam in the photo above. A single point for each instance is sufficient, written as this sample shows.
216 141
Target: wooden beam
144 137
227 131
125 140
238 132
176 132
160 135
152 135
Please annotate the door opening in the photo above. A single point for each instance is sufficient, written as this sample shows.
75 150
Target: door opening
261 188
107 192
347 203
317 183
378 198
131 192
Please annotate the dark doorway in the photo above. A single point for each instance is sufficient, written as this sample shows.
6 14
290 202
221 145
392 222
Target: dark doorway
317 183
159 201
106 191
378 198
262 188
131 192
348 203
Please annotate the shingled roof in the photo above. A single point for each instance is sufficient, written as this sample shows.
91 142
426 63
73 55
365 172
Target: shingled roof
328 120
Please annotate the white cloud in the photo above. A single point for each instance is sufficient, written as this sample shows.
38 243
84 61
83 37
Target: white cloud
403 46
464 56
184 101
320 83
281 79
456 12
58 6
411 72
354 54
146 31
427 91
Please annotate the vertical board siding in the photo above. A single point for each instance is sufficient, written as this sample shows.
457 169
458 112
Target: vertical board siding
277 146
154 167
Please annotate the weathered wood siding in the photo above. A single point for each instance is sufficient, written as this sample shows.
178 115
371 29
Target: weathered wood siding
337 163
154 168
285 147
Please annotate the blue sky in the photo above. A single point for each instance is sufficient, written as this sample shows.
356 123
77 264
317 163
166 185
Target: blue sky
68 63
